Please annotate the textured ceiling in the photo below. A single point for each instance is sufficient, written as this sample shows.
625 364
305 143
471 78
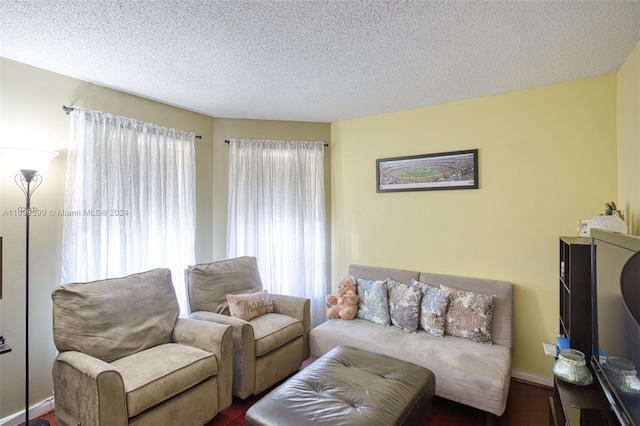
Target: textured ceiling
318 60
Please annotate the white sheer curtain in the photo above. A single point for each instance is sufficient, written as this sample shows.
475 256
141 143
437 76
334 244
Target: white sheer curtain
277 214
129 200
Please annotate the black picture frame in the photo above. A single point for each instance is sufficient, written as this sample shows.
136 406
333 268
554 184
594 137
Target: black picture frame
428 172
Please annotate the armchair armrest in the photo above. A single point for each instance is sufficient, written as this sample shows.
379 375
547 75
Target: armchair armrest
88 387
215 338
205 335
218 318
244 350
296 307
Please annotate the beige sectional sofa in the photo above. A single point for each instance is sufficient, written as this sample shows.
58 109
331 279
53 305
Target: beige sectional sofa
474 374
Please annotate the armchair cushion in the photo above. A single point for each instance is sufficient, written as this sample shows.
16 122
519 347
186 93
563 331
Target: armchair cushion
159 373
209 283
112 318
274 330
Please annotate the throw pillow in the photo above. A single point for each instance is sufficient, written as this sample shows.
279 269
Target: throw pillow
469 315
433 308
404 305
248 306
373 303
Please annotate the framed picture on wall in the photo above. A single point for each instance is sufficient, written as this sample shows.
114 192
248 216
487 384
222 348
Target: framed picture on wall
583 228
427 172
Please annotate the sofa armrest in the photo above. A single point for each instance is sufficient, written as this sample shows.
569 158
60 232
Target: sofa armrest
88 391
215 338
244 350
296 307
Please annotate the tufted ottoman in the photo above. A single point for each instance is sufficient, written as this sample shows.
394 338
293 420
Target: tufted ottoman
349 386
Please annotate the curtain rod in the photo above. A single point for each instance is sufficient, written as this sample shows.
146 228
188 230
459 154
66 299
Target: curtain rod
68 110
228 141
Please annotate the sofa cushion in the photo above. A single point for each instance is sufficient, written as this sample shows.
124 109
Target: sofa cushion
469 315
274 330
373 303
209 283
248 306
466 372
112 318
159 373
433 308
404 305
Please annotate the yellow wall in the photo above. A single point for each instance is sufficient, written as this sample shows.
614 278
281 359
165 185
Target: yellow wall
31 115
547 157
628 115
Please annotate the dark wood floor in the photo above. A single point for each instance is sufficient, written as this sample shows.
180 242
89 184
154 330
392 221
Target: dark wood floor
528 405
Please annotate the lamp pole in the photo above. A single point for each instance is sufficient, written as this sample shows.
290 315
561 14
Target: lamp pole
28 181
28 161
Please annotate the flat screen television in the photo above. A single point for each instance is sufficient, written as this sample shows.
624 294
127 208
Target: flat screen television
615 263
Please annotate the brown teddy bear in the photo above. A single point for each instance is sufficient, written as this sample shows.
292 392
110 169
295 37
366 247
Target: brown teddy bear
345 304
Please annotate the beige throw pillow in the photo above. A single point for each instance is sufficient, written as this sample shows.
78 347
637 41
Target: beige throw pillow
248 306
469 315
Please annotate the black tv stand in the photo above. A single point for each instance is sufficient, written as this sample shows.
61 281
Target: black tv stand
574 405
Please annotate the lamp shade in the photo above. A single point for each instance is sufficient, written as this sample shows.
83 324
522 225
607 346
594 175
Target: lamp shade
27 159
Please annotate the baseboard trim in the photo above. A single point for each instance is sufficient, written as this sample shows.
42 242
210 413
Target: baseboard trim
38 409
49 404
532 378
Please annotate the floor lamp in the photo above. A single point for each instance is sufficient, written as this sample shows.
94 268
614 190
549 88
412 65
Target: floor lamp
28 161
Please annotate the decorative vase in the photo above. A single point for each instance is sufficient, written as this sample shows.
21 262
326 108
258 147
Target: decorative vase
572 367
623 376
608 222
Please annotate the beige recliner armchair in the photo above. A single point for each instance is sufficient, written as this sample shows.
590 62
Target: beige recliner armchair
126 358
268 347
